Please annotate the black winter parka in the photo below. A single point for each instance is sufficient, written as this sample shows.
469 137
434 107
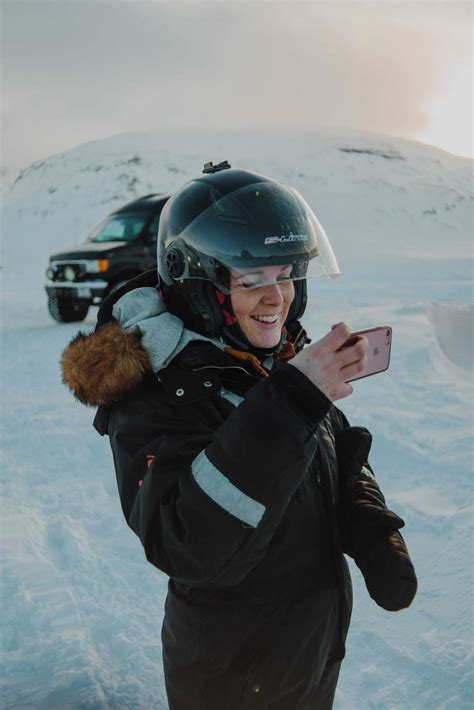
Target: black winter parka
238 492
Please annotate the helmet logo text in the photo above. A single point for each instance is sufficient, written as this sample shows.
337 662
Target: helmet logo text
287 238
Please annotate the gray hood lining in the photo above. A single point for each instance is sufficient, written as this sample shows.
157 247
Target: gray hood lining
163 334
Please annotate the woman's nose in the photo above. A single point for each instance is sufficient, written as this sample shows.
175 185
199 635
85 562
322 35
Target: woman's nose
273 294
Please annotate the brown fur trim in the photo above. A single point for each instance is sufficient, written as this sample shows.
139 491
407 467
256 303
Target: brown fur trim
100 367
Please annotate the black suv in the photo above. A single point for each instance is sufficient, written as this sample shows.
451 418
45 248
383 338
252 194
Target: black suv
121 247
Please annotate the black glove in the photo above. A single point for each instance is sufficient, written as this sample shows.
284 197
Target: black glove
369 531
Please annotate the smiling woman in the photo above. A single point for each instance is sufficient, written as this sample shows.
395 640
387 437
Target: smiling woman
243 482
262 312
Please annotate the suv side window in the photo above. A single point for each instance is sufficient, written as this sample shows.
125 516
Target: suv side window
153 229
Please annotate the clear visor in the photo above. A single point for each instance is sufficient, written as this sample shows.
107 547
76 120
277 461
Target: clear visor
257 277
260 234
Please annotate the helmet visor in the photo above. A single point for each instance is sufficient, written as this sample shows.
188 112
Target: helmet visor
258 276
257 235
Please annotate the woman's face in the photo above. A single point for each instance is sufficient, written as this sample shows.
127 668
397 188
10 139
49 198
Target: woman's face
261 312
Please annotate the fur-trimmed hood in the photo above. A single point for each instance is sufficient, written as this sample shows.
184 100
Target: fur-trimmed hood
100 367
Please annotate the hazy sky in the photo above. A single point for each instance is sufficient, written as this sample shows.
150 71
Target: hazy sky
77 70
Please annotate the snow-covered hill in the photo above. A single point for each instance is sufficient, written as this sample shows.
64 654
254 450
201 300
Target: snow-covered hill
389 197
81 607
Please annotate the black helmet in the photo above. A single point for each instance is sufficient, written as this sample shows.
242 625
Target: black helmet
230 220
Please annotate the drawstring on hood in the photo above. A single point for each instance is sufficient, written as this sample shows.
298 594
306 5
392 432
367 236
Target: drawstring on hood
286 353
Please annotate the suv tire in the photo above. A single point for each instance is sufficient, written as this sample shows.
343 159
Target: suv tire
67 311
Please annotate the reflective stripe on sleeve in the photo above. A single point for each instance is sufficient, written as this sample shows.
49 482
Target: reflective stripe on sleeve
224 493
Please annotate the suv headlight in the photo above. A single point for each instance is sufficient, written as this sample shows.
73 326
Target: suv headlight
97 267
69 273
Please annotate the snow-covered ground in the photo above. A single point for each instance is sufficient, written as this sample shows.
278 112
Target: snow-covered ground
81 608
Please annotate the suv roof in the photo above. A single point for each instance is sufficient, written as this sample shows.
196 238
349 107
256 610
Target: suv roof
146 202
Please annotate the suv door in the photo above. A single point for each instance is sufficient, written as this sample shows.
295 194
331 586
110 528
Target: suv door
151 238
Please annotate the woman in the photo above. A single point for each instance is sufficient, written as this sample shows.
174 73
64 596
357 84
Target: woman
242 479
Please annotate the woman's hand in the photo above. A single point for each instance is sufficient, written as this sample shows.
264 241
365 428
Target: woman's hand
328 367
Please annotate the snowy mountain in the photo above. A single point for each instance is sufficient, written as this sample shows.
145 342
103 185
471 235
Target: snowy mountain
81 607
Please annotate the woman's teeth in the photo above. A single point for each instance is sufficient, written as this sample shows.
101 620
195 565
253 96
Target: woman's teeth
266 319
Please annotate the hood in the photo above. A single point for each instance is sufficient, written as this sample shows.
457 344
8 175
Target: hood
163 335
100 367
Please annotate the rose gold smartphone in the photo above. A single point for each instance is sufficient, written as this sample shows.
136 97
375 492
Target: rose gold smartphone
380 342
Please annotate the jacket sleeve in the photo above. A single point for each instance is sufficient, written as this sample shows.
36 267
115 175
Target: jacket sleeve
209 503
369 531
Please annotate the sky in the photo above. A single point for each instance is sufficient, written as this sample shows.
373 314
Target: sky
81 70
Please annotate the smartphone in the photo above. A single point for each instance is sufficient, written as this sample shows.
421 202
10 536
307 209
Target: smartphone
380 343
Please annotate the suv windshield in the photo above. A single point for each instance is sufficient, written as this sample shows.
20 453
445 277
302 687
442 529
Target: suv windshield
119 227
